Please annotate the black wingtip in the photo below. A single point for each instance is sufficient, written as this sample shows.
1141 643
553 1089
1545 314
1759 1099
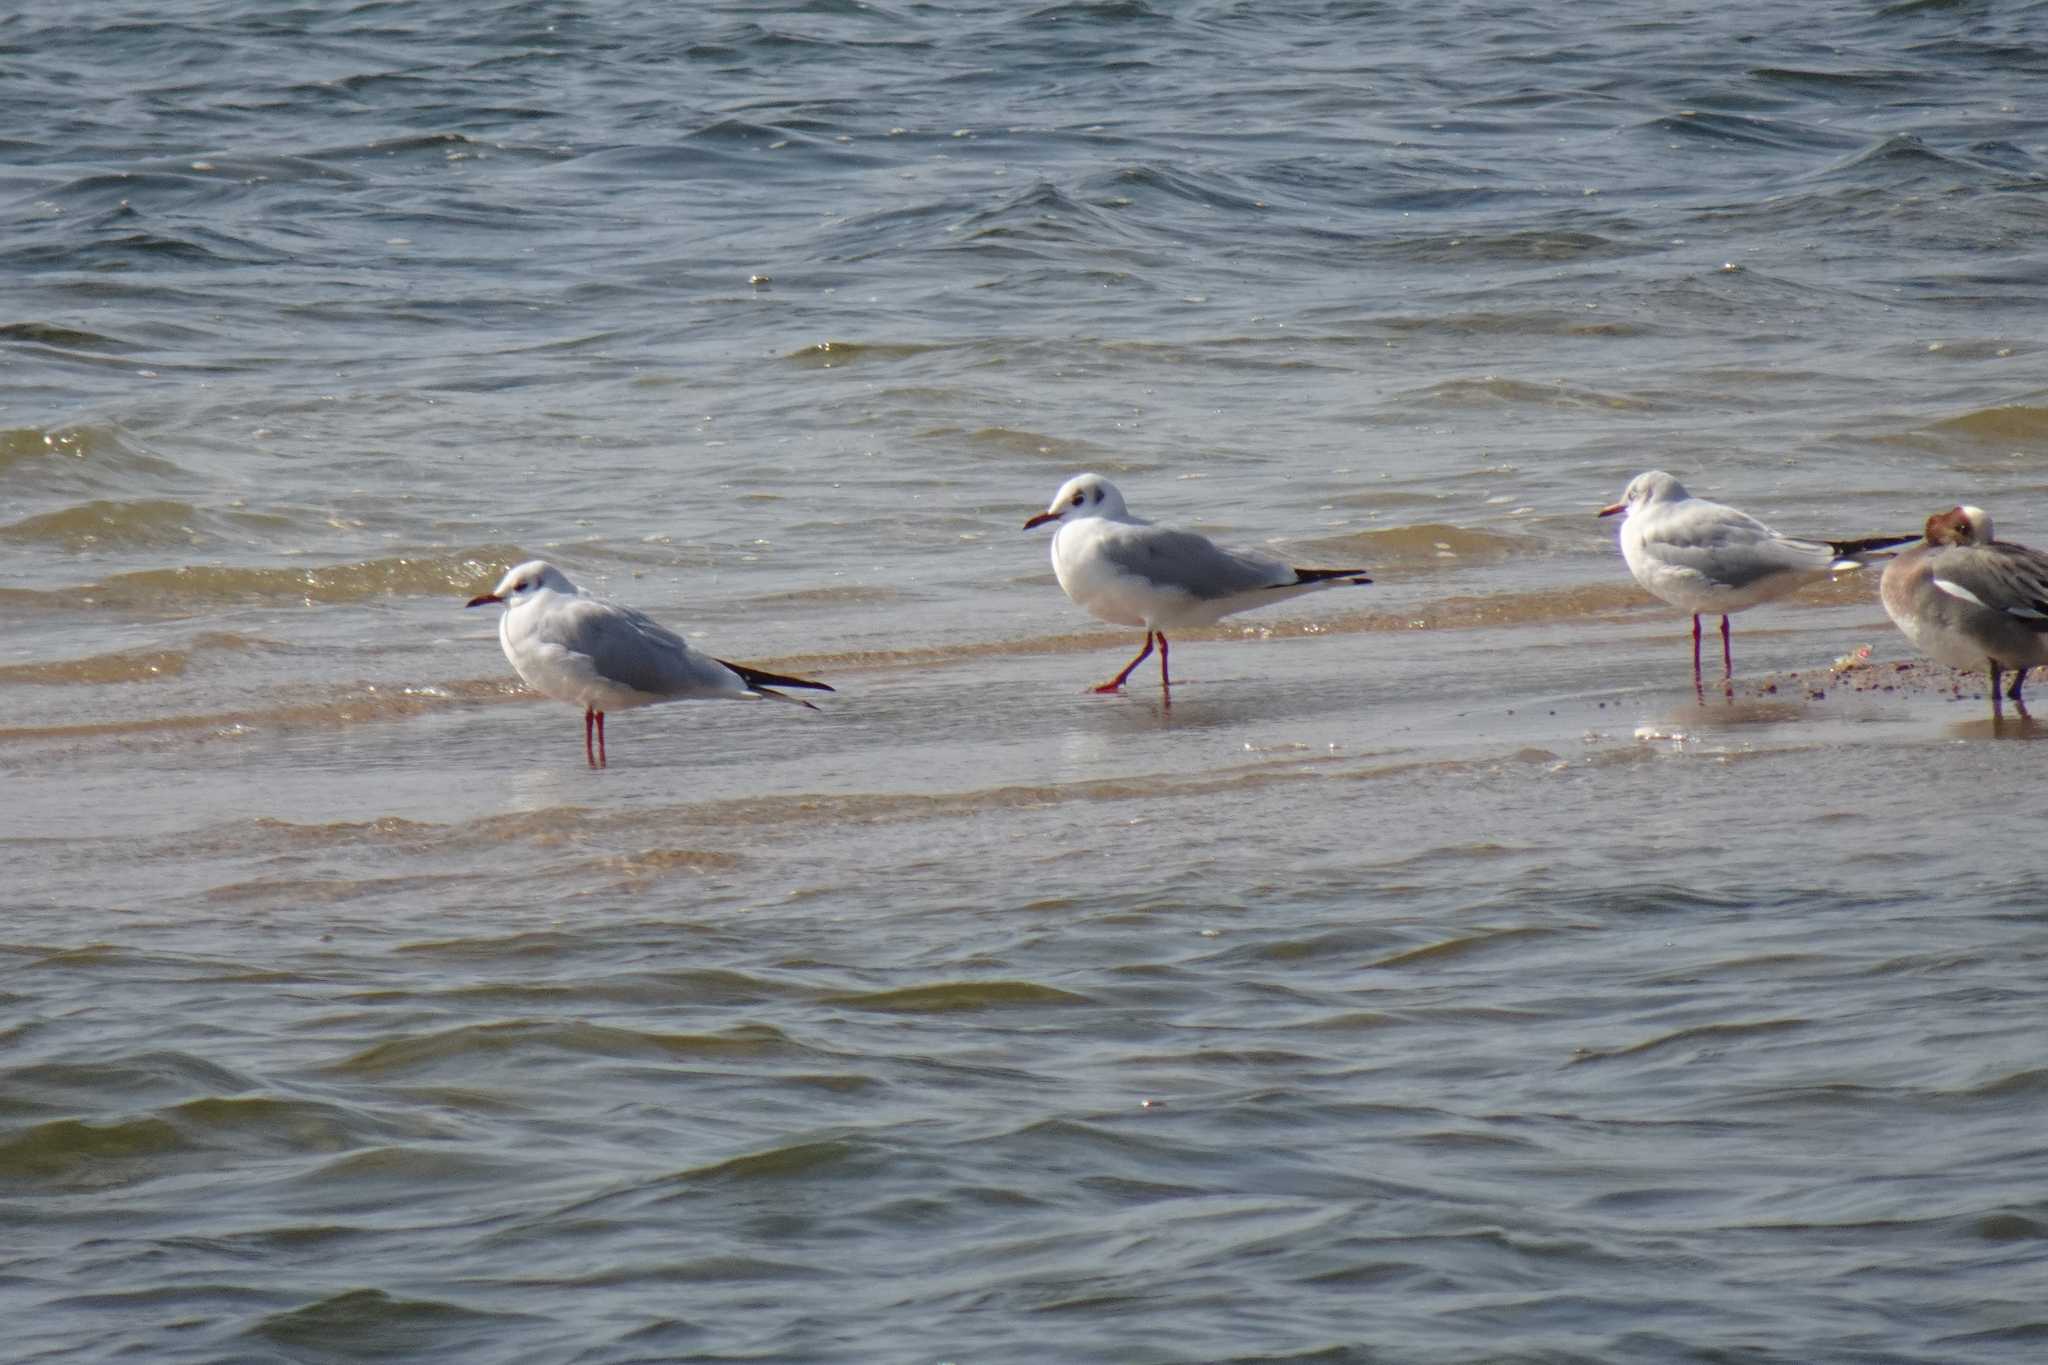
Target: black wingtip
754 677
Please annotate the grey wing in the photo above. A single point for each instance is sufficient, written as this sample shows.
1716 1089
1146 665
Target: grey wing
2007 578
1735 549
1191 563
634 650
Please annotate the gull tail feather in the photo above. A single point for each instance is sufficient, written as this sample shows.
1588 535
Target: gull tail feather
1854 554
1306 576
765 683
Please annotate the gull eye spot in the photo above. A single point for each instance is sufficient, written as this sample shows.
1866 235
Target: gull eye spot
1080 498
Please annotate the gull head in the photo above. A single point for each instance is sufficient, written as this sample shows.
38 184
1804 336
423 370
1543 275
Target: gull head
524 583
1646 488
1960 526
1084 495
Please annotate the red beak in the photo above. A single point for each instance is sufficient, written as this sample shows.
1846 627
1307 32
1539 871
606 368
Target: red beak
482 598
1041 519
1610 511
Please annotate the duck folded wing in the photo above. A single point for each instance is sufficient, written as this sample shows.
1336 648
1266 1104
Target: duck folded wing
2006 578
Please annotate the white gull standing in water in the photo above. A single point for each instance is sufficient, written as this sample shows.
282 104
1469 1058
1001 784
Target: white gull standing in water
1127 571
605 657
1702 557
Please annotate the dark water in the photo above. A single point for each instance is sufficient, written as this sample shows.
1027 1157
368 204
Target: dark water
1436 980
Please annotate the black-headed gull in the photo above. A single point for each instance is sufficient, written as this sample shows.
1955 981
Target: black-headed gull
1971 601
605 657
1125 570
1702 557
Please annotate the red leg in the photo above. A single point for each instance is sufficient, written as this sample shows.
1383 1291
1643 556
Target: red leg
1117 682
600 739
1165 683
1727 654
1699 689
589 719
2012 694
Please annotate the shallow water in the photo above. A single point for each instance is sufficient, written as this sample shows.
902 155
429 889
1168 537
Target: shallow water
1435 979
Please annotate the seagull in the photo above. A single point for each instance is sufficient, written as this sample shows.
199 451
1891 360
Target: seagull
604 657
1703 557
1125 570
1972 601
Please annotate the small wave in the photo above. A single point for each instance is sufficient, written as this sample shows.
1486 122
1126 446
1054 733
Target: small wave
1831 84
955 997
331 162
1704 1036
1097 12
237 168
1538 323
1436 954
451 573
102 524
127 666
369 1324
140 250
2030 1082
902 226
1749 130
2006 1225
734 132
655 991
63 338
835 595
2005 424
641 164
1175 189
832 355
1042 213
1533 246
1899 152
91 452
108 191
1493 391
1431 544
138 1076
341 707
1035 445
272 1124
780 1163
72 1154
311 891
776 1275
411 838
477 1043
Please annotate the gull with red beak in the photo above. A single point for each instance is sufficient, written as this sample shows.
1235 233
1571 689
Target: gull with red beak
1702 557
1127 571
604 657
1971 601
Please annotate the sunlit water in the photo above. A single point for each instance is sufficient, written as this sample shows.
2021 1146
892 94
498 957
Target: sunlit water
1437 978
